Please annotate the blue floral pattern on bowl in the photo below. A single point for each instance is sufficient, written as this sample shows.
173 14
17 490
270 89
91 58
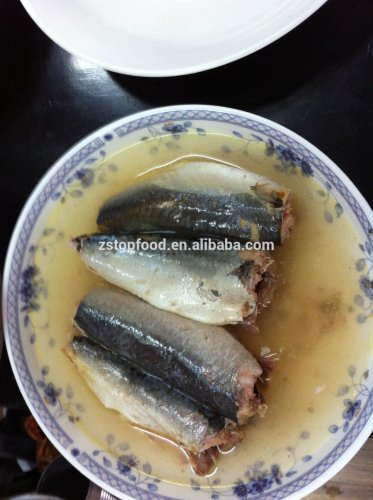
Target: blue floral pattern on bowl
127 464
351 407
83 178
365 299
52 396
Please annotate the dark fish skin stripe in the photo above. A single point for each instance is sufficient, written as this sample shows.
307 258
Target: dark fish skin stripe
150 386
138 343
147 208
151 389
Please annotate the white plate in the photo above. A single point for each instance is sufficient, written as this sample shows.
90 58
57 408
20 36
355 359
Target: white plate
167 38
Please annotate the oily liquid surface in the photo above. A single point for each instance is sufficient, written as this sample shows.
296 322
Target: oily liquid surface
310 327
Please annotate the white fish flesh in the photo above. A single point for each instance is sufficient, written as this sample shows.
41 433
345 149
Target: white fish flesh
215 287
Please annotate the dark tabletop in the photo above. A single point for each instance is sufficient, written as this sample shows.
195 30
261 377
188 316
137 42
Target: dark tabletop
316 80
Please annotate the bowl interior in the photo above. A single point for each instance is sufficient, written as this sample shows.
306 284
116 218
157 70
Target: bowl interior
38 255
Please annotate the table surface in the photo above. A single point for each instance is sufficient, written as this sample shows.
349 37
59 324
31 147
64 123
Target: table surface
317 81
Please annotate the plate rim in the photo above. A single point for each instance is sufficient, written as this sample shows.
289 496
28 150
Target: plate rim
363 434
187 70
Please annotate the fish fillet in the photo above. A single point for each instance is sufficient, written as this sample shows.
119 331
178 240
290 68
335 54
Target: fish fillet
146 401
203 198
204 362
215 287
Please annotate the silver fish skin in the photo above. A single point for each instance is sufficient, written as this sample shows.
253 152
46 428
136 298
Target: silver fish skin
146 401
214 287
203 198
204 362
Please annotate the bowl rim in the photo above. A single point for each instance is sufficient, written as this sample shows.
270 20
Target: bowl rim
187 70
367 428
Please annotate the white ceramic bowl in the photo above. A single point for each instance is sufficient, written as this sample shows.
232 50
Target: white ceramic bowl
37 384
172 37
